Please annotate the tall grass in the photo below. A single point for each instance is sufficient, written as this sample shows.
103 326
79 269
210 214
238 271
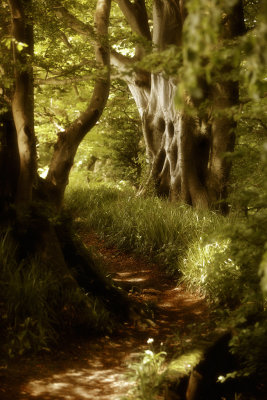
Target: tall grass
149 226
27 317
36 306
218 256
190 244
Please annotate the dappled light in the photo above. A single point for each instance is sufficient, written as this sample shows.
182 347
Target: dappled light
99 368
89 383
133 200
186 362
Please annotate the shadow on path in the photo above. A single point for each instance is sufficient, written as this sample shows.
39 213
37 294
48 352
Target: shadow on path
95 368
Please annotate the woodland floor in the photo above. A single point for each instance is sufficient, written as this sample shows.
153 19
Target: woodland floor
96 368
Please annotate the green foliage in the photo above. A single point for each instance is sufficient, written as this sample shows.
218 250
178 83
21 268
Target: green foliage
249 237
36 305
152 374
148 226
114 150
254 65
263 271
168 61
226 264
223 258
65 71
200 268
201 33
232 267
248 246
123 136
205 52
231 255
248 337
147 375
200 246
25 288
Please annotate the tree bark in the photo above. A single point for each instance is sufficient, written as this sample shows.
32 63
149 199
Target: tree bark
9 160
22 101
69 140
225 95
177 147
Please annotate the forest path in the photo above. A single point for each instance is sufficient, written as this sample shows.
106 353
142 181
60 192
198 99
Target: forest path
95 368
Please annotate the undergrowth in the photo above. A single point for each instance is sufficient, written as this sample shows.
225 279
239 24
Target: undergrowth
216 256
199 248
206 251
148 374
147 226
36 306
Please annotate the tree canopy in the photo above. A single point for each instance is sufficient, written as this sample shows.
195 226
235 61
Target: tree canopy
168 95
189 68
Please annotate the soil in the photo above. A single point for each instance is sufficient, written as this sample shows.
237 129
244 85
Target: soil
96 368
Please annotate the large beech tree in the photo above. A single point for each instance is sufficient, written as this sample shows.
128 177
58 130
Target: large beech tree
186 140
185 145
183 77
19 103
26 203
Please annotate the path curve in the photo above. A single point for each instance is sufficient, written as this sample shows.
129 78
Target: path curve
95 368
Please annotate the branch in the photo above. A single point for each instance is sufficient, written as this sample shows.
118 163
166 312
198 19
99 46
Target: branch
65 40
117 59
120 61
136 15
69 140
101 90
72 21
53 80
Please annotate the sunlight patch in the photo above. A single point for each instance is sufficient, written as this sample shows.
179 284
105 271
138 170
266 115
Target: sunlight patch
186 362
87 384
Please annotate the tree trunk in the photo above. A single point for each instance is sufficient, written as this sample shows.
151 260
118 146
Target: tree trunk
9 160
177 145
22 101
185 151
69 140
79 289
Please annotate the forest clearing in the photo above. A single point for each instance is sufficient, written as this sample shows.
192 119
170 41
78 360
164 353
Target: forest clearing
133 199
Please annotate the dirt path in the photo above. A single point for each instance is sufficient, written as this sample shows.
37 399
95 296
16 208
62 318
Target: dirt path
95 369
